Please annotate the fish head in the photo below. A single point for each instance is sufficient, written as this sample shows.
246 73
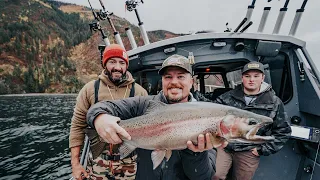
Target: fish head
244 127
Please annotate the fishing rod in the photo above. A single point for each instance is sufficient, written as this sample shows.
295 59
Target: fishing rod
132 5
103 15
94 26
297 18
281 16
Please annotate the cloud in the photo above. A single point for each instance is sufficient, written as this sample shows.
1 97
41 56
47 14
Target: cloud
311 36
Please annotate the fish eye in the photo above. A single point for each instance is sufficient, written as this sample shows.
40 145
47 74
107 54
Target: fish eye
252 122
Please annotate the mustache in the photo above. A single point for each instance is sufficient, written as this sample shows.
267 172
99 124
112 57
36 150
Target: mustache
116 70
174 86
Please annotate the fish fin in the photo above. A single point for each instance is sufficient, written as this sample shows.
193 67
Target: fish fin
125 149
96 145
216 140
154 105
168 154
157 157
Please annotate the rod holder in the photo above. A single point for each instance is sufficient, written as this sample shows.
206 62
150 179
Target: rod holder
144 34
297 18
118 39
296 22
264 18
279 21
131 38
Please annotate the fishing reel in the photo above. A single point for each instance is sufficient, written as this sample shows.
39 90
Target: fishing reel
132 4
103 15
94 26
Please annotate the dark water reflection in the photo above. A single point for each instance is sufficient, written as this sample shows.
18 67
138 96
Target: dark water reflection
34 133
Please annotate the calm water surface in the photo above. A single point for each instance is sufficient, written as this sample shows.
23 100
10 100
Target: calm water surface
34 133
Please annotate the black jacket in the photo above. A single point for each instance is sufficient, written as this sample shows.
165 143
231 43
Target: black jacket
183 164
267 104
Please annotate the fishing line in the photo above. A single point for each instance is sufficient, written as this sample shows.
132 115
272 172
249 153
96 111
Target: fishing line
315 160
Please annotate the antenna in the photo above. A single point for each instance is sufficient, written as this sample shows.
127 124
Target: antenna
96 26
131 5
103 15
297 18
281 15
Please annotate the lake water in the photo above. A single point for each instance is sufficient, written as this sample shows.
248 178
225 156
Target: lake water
34 132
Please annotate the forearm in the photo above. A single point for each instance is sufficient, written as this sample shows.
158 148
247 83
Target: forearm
75 155
99 109
124 109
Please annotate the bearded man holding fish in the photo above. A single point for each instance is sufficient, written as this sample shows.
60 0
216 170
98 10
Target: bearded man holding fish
174 136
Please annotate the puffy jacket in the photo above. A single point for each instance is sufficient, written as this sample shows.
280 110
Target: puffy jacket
267 104
183 164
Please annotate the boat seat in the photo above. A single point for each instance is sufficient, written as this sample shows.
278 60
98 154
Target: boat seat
216 93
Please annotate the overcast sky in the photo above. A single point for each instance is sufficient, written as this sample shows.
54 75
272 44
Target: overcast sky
183 16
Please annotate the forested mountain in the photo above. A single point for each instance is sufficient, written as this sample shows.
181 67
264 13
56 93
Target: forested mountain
47 46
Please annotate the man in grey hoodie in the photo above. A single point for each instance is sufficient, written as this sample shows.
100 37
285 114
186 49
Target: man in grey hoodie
256 96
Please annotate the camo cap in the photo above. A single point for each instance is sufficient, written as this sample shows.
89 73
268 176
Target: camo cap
176 61
253 66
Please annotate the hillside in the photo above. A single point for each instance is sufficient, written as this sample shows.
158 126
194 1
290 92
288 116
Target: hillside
47 46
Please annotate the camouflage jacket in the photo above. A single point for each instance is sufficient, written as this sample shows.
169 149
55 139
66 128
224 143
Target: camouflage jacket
267 104
183 164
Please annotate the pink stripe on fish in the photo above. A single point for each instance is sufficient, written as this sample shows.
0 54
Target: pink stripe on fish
151 130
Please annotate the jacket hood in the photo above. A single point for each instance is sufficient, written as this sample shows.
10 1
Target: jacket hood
264 87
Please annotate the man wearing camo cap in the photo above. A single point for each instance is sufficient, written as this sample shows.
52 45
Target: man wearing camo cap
195 162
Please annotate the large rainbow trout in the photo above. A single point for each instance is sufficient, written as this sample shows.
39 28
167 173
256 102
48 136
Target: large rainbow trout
167 127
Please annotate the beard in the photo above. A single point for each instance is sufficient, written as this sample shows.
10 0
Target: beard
175 98
116 80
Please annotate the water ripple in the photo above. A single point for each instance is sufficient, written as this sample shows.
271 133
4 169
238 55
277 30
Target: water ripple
34 132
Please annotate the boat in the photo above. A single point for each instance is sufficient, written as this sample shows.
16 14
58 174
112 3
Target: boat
217 59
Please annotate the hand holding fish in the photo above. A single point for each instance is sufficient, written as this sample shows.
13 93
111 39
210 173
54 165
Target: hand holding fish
255 152
205 143
109 130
